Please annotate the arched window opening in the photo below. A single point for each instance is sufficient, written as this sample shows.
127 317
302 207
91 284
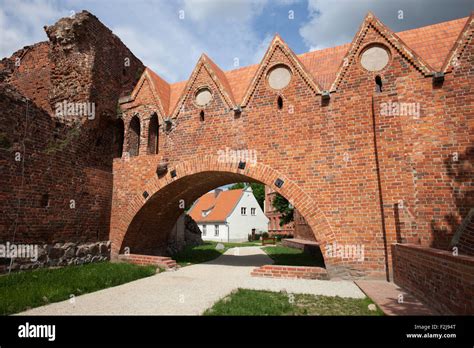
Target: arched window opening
118 138
44 200
153 135
134 137
280 103
201 115
378 84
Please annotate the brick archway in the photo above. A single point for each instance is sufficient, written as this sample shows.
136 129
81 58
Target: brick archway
156 197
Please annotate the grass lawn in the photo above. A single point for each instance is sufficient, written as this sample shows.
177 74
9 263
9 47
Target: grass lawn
205 252
23 290
256 302
282 255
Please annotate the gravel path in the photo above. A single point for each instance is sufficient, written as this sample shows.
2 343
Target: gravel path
192 289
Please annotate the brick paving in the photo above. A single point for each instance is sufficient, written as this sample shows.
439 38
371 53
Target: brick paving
386 296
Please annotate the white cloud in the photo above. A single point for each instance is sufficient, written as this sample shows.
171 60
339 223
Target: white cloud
334 23
225 30
202 11
172 47
262 49
21 23
152 30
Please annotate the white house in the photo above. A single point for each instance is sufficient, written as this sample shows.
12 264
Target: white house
229 216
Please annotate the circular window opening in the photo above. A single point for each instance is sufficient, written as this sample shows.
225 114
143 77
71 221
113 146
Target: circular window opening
203 97
375 58
279 77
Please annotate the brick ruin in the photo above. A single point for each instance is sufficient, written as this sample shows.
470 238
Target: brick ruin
330 141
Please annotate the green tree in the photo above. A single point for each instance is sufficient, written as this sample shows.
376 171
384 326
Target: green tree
258 190
237 186
282 205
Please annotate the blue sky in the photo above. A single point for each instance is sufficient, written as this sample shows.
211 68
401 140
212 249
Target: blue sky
224 29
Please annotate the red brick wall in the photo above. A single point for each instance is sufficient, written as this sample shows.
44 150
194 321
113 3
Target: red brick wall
273 216
346 167
148 260
302 229
292 272
466 241
442 280
36 192
30 72
61 189
356 176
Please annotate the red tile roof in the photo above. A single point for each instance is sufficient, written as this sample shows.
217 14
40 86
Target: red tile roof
176 90
161 87
323 64
221 76
221 206
239 80
432 43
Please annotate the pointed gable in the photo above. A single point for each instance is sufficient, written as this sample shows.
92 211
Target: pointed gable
278 44
373 23
433 42
217 77
160 89
221 78
461 42
429 49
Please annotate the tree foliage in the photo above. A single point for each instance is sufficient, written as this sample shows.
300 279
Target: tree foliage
282 205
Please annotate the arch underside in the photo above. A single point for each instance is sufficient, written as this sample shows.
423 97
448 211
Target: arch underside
145 222
150 228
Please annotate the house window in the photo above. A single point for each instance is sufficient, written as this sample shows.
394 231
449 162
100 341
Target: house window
204 228
243 211
216 230
252 211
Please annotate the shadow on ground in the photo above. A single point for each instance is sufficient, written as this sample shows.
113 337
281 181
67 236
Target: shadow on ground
242 260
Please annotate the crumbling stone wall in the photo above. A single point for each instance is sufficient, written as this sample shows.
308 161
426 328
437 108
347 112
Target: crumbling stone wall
56 172
184 233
